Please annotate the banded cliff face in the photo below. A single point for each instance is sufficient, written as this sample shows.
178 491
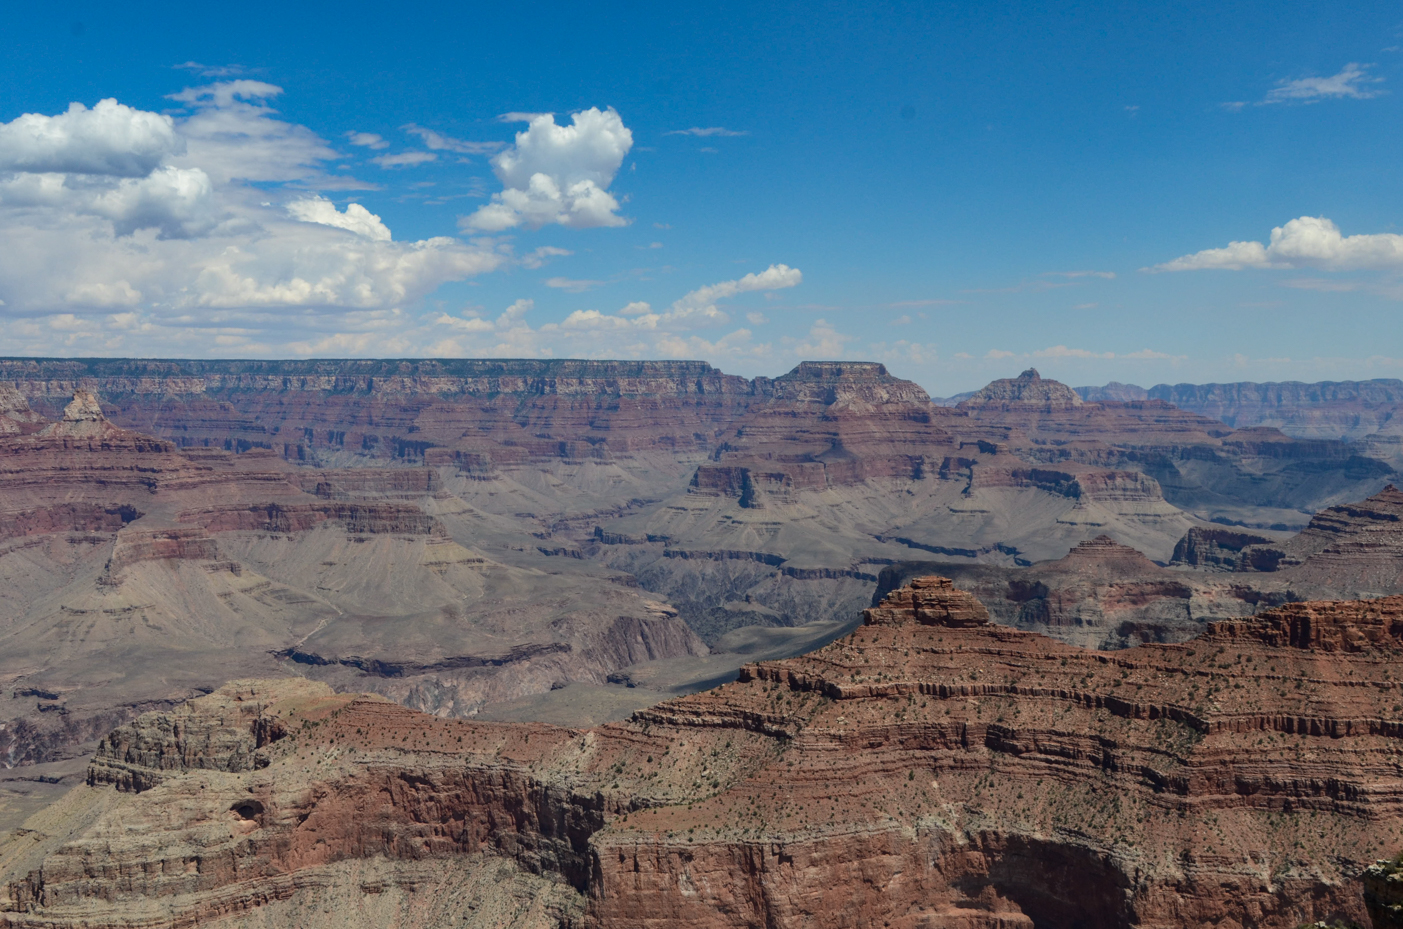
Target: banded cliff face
508 411
182 568
504 561
1327 410
929 770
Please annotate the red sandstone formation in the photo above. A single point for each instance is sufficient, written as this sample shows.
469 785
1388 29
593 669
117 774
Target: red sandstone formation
554 491
929 770
183 568
826 424
1028 391
1109 595
1354 546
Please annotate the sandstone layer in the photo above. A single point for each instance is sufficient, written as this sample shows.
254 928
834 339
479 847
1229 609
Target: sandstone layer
459 534
136 574
929 770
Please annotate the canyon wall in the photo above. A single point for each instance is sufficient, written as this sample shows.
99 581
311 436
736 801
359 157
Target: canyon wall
930 769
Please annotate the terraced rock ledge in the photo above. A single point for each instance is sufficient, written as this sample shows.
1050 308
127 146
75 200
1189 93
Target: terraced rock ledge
929 770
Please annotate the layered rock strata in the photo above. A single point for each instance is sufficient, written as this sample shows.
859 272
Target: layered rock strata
135 573
929 770
1328 410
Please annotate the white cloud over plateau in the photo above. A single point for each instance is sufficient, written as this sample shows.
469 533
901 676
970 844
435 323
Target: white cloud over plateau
1305 242
558 174
637 330
124 230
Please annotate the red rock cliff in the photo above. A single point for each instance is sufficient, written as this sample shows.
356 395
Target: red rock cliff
929 770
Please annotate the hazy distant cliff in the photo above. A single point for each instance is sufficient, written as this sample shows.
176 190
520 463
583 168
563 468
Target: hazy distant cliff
1328 409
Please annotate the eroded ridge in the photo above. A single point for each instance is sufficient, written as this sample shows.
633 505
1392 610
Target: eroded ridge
931 769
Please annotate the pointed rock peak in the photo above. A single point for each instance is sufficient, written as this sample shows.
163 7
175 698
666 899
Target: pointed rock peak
83 419
1029 389
85 408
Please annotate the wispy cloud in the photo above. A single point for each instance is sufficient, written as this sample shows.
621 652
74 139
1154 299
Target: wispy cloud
1104 275
367 140
1063 352
538 257
438 142
572 286
1353 82
1026 287
404 159
216 71
708 132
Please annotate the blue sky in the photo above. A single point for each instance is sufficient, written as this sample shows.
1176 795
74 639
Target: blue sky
959 190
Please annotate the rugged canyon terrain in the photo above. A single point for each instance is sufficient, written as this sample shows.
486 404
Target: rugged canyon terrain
930 769
572 540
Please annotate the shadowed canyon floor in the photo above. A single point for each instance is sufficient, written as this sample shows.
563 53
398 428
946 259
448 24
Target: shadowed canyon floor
930 769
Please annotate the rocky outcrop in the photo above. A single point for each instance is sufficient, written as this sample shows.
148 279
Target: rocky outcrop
66 517
1383 893
930 601
1202 547
354 518
135 545
931 769
827 424
1026 391
221 732
1101 594
16 418
1354 547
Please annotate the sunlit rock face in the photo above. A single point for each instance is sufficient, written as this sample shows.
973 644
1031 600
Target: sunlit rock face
930 769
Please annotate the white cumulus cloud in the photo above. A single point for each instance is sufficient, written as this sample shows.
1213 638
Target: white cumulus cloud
355 219
558 174
109 139
124 232
1305 242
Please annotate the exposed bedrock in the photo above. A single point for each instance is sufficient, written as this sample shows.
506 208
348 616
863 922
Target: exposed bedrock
1215 548
1329 409
930 770
355 518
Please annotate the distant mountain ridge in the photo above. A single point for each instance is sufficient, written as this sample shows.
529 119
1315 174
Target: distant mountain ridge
1320 410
